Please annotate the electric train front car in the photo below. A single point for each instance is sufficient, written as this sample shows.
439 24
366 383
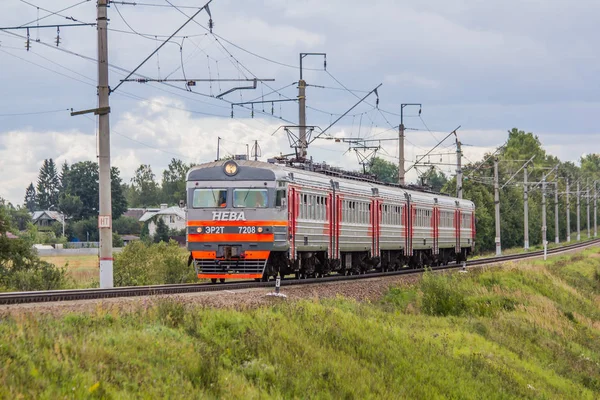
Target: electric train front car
236 217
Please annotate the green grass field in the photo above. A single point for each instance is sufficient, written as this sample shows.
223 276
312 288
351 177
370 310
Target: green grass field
82 269
526 331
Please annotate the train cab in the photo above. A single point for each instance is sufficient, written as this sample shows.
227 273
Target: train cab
236 218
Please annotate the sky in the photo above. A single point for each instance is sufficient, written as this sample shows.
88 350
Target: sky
486 66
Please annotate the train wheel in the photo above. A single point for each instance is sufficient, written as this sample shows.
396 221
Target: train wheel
222 280
256 279
213 280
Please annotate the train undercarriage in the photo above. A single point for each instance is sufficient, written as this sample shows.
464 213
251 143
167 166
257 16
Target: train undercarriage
318 264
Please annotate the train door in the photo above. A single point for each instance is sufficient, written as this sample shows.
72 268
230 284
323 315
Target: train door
293 208
375 226
408 227
334 209
457 230
435 224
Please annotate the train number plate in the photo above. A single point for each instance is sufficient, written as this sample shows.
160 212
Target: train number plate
247 229
214 229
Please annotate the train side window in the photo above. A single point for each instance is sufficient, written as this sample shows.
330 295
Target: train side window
280 198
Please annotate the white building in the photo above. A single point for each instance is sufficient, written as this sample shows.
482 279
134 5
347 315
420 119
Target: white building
173 217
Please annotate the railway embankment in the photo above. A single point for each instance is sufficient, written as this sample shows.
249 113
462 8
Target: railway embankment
530 329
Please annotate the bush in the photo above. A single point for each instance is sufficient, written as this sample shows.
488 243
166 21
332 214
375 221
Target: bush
127 226
21 268
442 295
152 264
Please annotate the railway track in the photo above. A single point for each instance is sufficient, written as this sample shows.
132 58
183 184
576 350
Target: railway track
86 294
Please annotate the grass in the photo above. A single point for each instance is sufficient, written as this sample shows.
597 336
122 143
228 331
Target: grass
551 245
82 269
528 331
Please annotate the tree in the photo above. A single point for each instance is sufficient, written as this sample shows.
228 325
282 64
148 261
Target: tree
127 226
434 179
82 181
64 178
70 206
19 217
384 170
30 198
162 231
173 181
48 185
145 187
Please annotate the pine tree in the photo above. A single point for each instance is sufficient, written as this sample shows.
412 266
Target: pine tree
30 198
162 231
48 185
64 178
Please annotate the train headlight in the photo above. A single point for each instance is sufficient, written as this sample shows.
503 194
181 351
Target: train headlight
260 229
230 168
199 229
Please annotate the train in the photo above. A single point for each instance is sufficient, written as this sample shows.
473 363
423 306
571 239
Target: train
258 220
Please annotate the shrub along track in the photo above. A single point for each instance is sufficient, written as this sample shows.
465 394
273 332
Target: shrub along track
87 294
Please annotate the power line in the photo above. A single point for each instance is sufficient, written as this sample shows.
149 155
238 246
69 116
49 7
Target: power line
34 113
52 12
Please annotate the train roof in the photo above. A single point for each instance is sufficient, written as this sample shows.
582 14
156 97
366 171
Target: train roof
321 177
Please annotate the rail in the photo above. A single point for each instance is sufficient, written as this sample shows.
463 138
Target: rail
131 291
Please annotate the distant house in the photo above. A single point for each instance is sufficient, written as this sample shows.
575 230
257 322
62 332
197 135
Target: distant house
173 217
129 238
44 219
138 212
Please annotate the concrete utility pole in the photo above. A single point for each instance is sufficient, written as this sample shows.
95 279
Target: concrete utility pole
497 206
544 227
302 142
401 179
556 233
595 210
302 117
105 216
525 209
459 175
578 215
588 207
218 146
568 213
401 158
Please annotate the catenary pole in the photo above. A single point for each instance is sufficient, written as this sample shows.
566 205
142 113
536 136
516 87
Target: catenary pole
578 214
568 213
588 207
302 118
401 178
556 233
544 227
595 210
459 174
525 210
105 217
497 207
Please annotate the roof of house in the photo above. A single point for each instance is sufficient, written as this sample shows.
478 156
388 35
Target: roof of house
55 215
129 238
166 211
135 212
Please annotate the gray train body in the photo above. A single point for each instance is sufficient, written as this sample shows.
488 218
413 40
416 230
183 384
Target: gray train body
253 219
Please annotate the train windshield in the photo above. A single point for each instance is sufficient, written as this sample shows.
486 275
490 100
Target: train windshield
251 198
210 198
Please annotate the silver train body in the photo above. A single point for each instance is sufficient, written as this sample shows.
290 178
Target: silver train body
250 219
